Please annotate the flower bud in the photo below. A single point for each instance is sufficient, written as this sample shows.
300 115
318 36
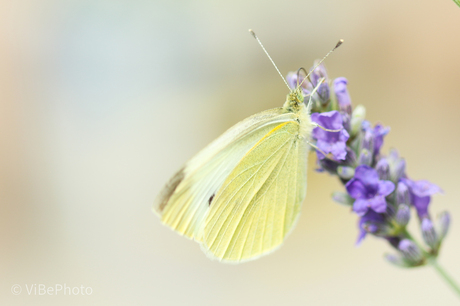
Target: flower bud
397 166
390 212
394 241
402 194
365 158
397 260
402 214
342 198
428 233
383 169
346 121
367 141
350 158
443 222
379 132
345 172
323 93
399 170
327 165
410 251
343 97
357 118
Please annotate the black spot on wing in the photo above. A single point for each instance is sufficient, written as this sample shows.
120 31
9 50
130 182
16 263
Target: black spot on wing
211 198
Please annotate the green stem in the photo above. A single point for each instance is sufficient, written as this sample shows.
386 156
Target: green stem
449 280
457 2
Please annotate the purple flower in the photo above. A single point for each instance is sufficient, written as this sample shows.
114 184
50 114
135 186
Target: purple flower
330 142
378 132
421 192
376 185
343 97
370 222
368 191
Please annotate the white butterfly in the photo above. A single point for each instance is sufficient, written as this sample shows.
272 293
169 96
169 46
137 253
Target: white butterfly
241 195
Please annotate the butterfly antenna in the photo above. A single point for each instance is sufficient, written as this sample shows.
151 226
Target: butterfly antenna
269 57
310 100
322 60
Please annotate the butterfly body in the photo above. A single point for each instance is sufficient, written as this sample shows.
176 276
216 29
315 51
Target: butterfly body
240 196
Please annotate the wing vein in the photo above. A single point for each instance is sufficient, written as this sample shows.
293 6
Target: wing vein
235 193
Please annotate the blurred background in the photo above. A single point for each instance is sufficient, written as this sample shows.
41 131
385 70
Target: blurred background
102 101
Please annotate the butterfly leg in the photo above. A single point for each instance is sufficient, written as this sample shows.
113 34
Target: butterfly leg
322 152
314 146
323 128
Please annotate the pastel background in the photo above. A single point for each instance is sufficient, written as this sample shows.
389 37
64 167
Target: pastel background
102 101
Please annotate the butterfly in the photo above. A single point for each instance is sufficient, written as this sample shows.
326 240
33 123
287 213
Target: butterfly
241 195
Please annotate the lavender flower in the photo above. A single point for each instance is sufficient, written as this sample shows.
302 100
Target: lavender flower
371 222
343 97
330 142
376 134
421 192
368 190
354 156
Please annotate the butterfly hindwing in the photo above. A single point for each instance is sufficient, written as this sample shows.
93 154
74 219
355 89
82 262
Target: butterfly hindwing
185 200
259 202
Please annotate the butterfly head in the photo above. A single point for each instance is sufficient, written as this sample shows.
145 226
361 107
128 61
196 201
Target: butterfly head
294 100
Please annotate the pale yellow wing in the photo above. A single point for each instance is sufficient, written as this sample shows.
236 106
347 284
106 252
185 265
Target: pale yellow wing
184 202
259 202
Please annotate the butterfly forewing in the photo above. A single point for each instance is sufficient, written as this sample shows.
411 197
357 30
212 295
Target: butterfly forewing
260 200
184 202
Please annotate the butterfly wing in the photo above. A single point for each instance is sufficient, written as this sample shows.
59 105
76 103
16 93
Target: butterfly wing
185 200
259 202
